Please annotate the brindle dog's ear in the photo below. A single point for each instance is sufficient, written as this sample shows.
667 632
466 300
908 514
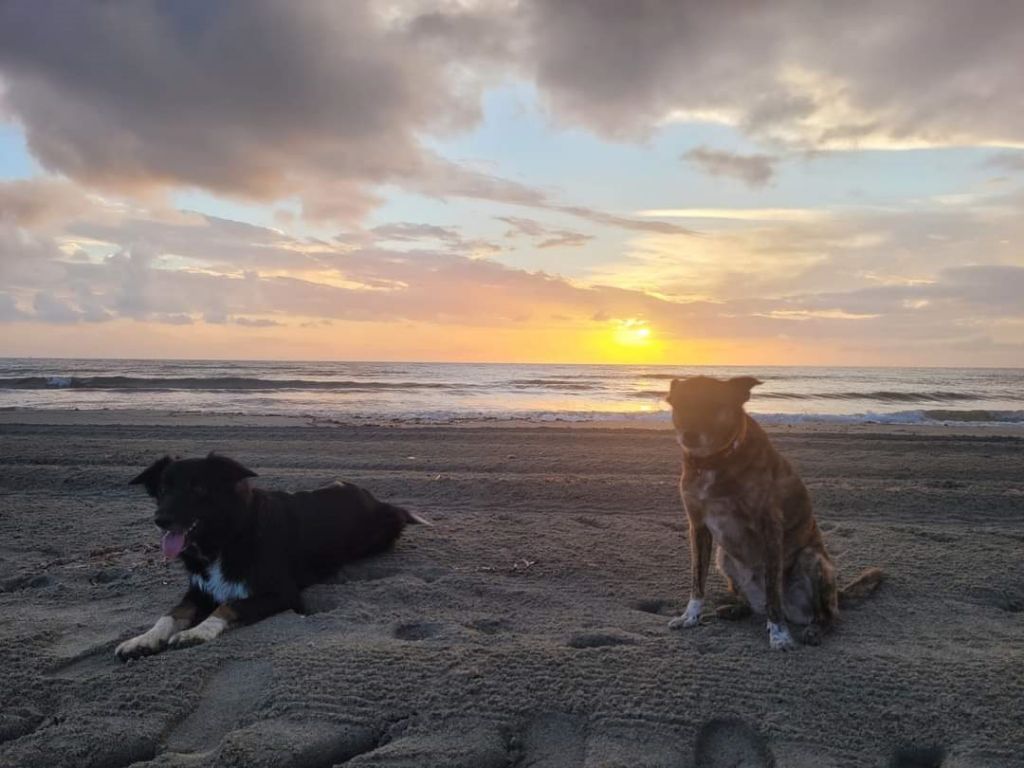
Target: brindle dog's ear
673 390
742 385
150 477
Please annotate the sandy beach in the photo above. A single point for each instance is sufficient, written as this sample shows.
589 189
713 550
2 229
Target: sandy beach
527 627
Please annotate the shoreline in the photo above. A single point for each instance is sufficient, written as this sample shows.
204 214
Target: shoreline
11 416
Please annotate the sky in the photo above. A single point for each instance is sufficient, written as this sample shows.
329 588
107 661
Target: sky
654 181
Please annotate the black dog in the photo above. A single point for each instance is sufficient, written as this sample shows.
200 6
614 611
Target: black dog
249 552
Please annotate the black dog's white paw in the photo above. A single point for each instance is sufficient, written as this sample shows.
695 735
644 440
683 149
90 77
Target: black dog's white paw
152 641
210 629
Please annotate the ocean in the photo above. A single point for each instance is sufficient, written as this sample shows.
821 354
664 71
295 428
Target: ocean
464 392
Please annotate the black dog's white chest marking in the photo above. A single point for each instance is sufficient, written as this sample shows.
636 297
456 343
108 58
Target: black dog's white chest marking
218 587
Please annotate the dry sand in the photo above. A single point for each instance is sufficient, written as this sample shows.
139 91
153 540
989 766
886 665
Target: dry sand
528 626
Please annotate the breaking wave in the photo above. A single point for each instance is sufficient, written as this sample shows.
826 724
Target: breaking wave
227 383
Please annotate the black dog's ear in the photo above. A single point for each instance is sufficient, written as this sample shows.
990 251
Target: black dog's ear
232 474
742 386
229 471
150 477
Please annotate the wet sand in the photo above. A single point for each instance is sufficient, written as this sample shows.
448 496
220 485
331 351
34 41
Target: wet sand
528 626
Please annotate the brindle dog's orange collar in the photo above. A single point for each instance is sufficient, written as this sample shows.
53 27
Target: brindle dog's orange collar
713 460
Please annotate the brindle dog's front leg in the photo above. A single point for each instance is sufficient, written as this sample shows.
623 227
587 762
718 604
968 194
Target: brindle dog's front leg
193 606
779 637
700 561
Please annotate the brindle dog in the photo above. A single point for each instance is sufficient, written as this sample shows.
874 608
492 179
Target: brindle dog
740 494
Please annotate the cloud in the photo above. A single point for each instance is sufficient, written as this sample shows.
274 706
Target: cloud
50 309
35 203
740 214
256 322
907 279
521 226
9 311
544 237
1006 161
814 76
766 256
323 102
408 231
328 103
253 99
451 237
753 170
450 179
564 239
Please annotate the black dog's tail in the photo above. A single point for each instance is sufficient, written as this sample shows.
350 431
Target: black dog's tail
861 587
411 518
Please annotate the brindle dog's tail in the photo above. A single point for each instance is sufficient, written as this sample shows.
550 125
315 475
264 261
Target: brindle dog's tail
861 587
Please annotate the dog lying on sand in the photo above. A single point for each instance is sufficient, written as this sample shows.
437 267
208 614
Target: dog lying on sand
248 552
744 497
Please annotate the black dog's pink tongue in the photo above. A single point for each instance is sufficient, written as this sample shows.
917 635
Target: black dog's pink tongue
172 543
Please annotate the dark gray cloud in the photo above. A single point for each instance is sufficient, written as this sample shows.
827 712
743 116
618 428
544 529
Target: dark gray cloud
252 98
814 74
319 100
327 101
753 170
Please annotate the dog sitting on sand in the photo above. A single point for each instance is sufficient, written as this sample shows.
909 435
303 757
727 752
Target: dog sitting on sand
744 497
249 552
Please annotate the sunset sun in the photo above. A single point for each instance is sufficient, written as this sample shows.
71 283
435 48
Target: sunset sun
632 333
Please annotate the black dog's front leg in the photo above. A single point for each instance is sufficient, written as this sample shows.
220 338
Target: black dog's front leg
193 607
236 613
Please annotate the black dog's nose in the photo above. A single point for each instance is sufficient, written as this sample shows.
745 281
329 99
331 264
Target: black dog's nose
163 520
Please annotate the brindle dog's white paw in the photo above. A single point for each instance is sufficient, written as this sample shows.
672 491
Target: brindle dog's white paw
690 617
152 641
779 638
209 629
